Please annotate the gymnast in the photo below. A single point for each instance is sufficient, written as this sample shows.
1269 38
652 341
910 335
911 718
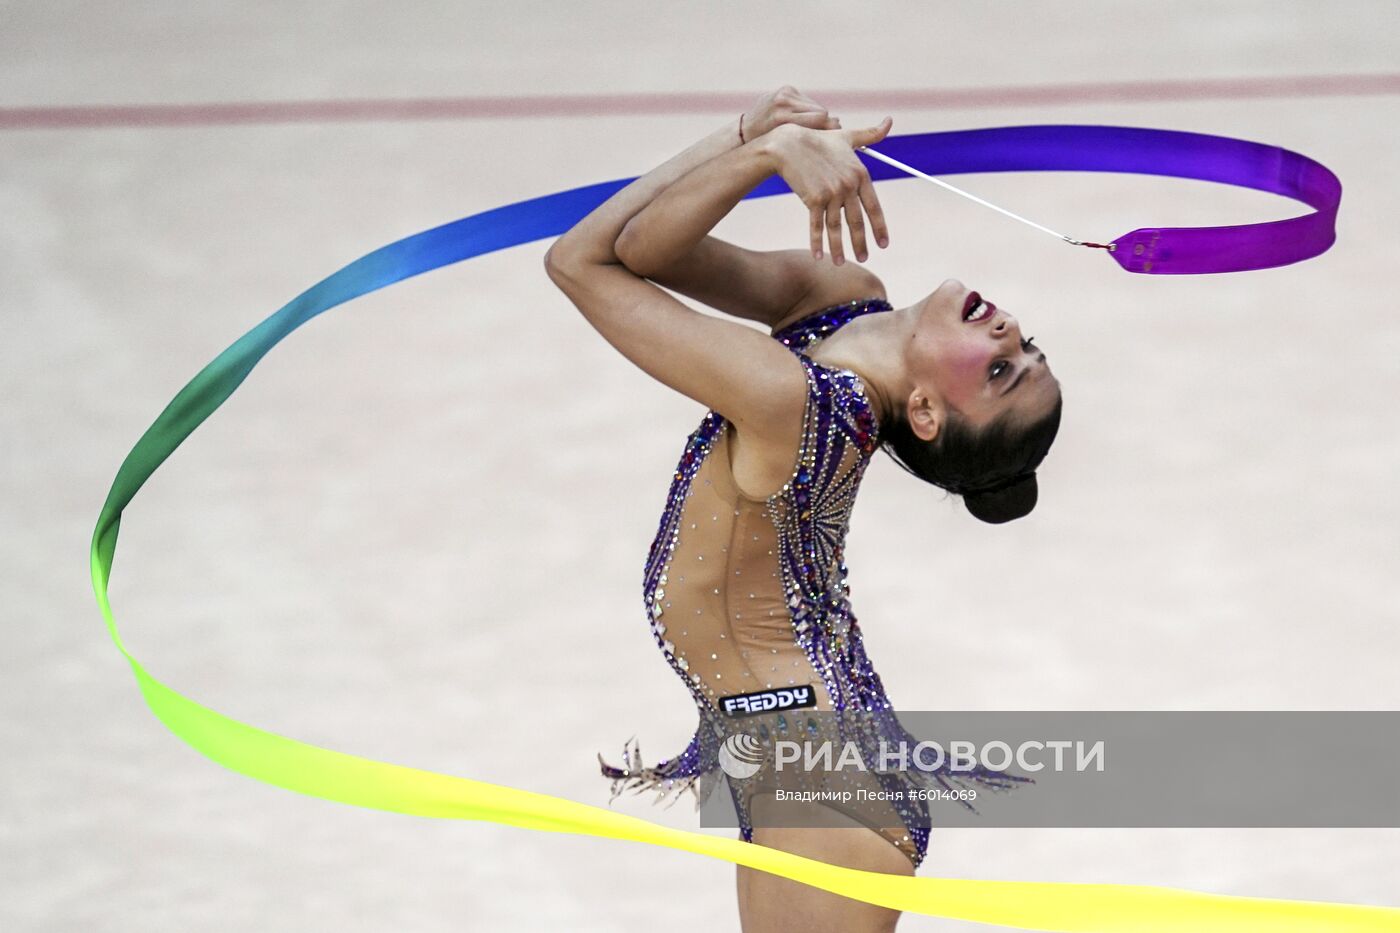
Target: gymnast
745 582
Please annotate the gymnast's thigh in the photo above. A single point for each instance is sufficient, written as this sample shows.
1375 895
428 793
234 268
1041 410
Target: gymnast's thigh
770 904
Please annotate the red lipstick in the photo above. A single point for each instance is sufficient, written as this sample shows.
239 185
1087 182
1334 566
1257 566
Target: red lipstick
971 302
972 299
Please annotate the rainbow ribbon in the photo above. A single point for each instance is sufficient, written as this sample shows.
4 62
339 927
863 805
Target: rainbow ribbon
331 775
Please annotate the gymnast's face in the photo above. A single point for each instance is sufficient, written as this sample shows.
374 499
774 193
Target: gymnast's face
968 355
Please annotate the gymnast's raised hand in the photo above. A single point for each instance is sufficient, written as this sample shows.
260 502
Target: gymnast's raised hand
786 105
821 168
816 158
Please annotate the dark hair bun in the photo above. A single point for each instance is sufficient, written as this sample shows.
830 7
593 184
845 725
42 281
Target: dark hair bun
1004 502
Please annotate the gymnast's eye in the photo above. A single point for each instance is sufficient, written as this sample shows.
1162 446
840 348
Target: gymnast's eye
998 369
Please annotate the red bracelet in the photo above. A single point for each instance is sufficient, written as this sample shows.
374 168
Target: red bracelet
741 128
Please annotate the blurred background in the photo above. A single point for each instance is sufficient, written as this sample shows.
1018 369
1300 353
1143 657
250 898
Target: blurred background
416 532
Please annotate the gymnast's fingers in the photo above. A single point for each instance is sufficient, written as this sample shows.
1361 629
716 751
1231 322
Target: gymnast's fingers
871 200
856 222
816 230
801 102
812 119
833 232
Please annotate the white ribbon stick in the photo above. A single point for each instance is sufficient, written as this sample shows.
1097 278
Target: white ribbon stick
971 197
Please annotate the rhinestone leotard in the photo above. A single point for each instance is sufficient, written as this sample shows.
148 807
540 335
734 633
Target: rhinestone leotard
747 594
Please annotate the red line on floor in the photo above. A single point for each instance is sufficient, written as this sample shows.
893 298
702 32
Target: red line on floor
467 108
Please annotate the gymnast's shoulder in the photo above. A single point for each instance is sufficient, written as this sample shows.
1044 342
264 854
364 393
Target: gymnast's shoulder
830 285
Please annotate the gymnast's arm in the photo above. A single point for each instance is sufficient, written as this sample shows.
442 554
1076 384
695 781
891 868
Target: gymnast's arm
742 373
666 242
771 288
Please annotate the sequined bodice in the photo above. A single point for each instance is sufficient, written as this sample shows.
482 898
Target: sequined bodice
747 594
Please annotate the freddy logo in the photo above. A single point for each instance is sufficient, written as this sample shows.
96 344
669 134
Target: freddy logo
761 701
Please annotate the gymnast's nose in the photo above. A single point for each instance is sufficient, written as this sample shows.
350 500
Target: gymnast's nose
1006 326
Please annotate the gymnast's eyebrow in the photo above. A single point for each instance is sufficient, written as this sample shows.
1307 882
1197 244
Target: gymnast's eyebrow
1021 375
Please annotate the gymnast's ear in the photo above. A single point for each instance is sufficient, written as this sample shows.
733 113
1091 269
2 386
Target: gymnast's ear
924 415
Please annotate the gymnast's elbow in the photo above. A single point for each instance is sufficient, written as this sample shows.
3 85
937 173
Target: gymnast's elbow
553 259
561 265
574 275
632 253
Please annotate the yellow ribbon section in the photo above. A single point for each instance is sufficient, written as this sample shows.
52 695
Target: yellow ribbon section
1060 907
